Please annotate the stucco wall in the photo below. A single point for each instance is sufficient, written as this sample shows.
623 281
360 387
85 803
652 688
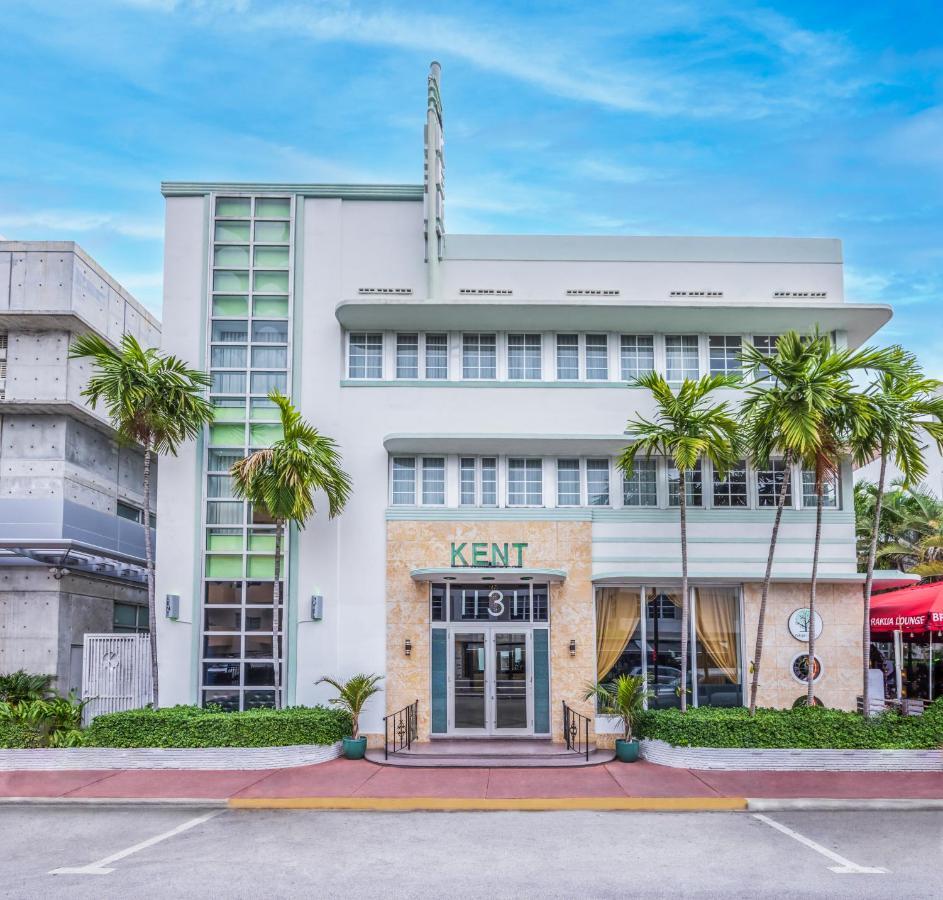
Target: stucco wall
838 647
561 545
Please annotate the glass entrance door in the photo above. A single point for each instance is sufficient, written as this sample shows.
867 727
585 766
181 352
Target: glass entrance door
510 681
491 682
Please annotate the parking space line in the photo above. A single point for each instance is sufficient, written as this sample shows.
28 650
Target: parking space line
844 867
101 866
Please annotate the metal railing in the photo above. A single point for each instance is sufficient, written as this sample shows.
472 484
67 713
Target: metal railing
575 731
400 729
914 706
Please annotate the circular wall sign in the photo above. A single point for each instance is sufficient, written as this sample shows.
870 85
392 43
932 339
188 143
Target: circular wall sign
799 624
800 668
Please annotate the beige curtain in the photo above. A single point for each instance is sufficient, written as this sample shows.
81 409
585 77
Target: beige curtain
717 610
617 617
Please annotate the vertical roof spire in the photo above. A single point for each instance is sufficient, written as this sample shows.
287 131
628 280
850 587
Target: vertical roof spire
434 180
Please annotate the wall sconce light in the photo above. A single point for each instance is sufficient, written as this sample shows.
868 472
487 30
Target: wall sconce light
572 647
408 647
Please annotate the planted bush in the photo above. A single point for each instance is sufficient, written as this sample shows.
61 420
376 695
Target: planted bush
803 727
31 715
193 726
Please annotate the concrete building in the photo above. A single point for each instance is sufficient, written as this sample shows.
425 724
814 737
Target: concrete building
492 559
71 508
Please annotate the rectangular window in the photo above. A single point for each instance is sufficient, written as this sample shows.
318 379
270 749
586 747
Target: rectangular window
479 356
568 482
129 512
637 355
366 355
681 357
568 357
407 356
404 481
265 331
437 356
642 488
724 354
467 473
693 483
524 352
597 357
489 481
433 480
597 482
731 491
769 482
129 618
525 482
829 491
766 344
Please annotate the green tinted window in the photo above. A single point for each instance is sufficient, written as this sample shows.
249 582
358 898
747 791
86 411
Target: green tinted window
232 207
229 305
237 232
271 232
272 207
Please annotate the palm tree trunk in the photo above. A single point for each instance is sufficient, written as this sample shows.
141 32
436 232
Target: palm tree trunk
810 697
276 594
767 578
149 562
868 582
682 497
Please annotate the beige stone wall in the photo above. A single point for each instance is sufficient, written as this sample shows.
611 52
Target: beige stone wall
557 545
838 647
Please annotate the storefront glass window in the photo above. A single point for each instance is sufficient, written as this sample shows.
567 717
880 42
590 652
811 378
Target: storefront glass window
489 603
618 633
717 659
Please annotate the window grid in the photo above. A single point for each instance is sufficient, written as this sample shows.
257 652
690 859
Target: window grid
568 357
731 491
525 482
597 357
478 481
249 353
437 355
568 482
766 344
524 356
642 488
694 487
365 355
724 353
681 357
433 481
637 355
829 491
403 481
597 482
769 482
479 356
407 356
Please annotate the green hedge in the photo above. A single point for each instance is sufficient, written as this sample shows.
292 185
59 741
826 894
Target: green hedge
191 726
805 727
14 736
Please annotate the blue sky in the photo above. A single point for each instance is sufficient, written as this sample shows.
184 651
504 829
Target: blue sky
799 118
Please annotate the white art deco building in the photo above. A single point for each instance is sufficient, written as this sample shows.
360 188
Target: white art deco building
492 559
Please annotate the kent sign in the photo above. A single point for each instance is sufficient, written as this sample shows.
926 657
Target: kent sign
483 553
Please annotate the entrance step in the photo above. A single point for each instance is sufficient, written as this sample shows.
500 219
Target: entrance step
483 753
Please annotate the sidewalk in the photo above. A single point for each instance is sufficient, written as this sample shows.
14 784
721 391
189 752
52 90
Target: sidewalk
358 784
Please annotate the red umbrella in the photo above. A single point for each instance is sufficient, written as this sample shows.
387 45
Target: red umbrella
917 608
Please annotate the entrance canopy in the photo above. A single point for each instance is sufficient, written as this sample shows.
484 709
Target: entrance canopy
485 574
917 608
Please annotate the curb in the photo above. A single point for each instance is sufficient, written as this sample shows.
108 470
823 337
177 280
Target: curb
180 802
491 804
831 804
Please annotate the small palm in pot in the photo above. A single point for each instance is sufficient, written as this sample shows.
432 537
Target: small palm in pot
623 699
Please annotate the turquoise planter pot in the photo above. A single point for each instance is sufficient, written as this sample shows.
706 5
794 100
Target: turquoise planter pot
355 748
626 751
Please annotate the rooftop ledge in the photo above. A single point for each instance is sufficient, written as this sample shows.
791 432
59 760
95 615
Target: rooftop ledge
858 320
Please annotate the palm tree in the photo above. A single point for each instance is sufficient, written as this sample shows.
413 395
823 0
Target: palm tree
688 427
793 393
281 479
155 400
901 405
911 522
352 695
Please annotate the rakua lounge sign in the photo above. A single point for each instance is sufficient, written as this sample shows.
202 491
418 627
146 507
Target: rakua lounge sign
485 554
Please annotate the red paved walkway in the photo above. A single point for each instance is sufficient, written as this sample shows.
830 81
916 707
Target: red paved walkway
346 778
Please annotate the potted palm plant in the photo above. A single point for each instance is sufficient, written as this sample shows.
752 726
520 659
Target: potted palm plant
352 695
624 699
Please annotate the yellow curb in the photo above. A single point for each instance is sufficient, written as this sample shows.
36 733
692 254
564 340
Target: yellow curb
392 804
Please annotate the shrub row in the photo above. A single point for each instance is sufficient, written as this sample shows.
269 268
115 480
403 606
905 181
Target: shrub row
802 727
16 736
191 726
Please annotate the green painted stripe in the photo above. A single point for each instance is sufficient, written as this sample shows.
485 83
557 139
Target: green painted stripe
745 560
673 539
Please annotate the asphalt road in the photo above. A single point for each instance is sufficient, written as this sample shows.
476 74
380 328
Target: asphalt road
167 852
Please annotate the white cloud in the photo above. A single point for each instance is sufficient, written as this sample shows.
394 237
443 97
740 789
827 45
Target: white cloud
64 222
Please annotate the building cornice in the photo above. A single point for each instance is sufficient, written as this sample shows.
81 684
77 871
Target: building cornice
325 191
